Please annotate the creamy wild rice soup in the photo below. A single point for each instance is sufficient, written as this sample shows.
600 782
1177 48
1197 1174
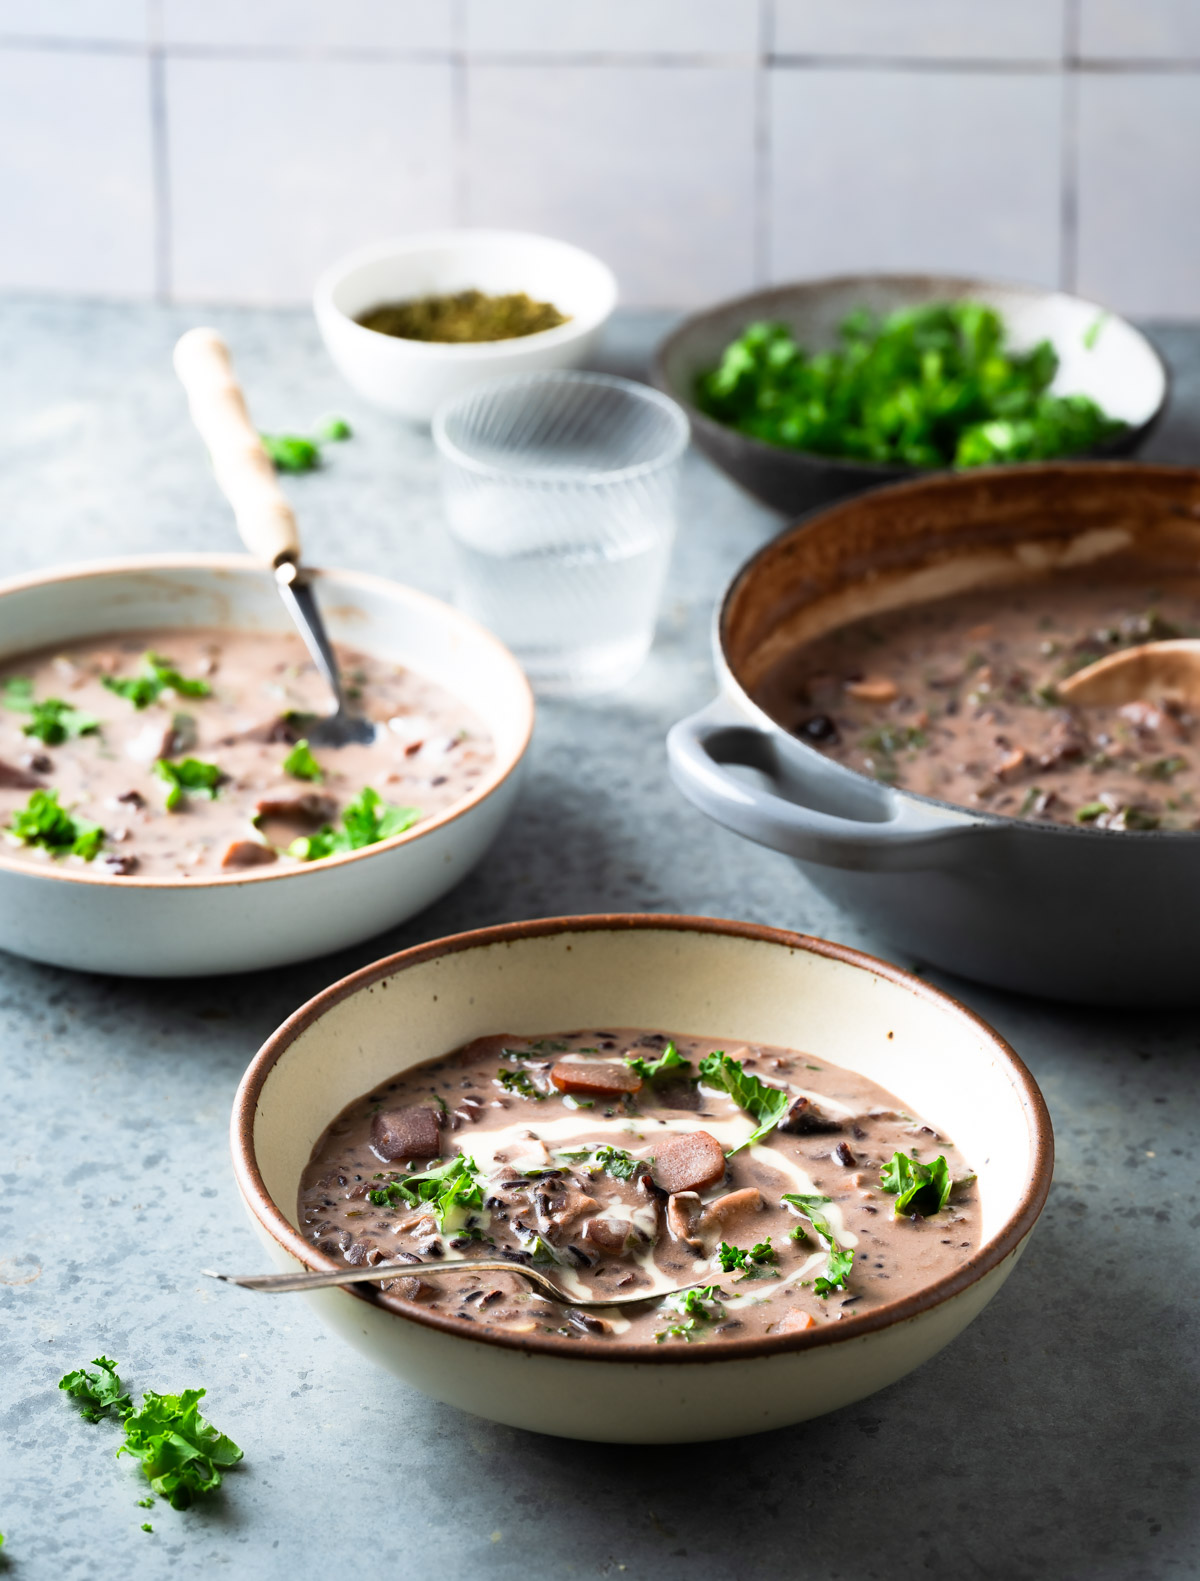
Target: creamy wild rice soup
182 754
957 699
789 1193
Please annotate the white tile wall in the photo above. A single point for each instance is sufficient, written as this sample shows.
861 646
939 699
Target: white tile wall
101 21
1139 184
681 27
1118 30
278 167
228 149
76 189
922 29
310 24
939 171
652 169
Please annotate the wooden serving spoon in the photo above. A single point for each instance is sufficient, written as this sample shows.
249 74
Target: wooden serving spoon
1152 670
265 520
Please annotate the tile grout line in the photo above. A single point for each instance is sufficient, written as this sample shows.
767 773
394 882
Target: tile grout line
157 66
760 262
460 124
1068 235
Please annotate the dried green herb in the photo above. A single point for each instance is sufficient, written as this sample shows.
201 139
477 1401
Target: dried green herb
463 317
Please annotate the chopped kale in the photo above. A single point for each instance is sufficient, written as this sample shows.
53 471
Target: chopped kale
301 764
668 1061
99 1393
841 1260
452 1190
734 1259
291 452
918 1188
365 821
42 821
927 386
521 1083
697 1307
765 1105
52 721
158 675
190 777
181 1453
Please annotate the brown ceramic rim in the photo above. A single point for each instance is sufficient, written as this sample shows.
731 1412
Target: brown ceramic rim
1021 474
239 564
957 288
986 1258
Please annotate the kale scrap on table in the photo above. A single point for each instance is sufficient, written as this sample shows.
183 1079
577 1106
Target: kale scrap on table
181 1453
931 386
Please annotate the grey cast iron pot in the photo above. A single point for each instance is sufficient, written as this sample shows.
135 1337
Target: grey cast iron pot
1097 916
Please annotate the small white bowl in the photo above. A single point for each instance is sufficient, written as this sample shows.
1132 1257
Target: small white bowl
413 377
697 975
191 927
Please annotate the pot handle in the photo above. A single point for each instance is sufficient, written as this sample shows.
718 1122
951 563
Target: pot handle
814 809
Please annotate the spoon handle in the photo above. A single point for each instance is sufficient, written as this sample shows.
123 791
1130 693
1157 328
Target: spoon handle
278 1283
243 469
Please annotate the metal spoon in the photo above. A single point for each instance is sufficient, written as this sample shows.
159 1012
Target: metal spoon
353 1276
265 520
1151 670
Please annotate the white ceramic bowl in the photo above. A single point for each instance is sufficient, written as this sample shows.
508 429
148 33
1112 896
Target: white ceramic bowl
413 377
159 927
686 974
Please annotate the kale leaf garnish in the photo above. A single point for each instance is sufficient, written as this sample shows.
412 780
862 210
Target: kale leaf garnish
918 1188
766 1105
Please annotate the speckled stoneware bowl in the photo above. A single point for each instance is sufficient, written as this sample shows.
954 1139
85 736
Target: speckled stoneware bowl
687 974
1117 366
162 927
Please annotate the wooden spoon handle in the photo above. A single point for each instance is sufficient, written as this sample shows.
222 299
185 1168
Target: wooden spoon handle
244 471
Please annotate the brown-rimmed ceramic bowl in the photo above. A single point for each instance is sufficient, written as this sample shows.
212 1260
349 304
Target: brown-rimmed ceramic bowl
68 914
1100 354
684 974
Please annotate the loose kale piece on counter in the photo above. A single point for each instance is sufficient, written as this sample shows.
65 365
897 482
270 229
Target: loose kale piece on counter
99 1393
300 453
918 1188
158 675
765 1105
841 1259
181 1453
43 821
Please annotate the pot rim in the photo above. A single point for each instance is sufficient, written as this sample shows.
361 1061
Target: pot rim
884 471
982 1261
239 565
981 816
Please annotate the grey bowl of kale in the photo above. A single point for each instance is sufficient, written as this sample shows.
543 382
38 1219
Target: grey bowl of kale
810 392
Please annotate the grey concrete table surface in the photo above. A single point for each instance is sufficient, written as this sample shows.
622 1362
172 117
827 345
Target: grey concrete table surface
1057 1438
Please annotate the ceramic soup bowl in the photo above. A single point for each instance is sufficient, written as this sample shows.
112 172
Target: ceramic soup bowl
683 974
162 927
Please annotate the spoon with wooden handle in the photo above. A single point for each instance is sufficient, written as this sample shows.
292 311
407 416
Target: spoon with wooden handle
1151 670
265 520
354 1276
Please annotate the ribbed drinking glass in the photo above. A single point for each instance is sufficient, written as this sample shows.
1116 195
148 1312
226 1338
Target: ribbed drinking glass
560 492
